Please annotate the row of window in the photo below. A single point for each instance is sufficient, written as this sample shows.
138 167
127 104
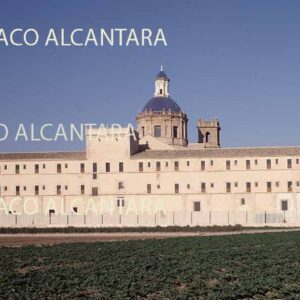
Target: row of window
283 204
59 189
203 187
157 131
229 185
158 165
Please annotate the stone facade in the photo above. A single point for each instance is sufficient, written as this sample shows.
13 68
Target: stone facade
134 179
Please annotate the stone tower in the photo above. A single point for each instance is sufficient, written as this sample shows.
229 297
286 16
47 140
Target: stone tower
209 133
162 117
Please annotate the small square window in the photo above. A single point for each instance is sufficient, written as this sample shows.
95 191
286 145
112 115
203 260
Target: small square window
212 185
197 206
284 205
94 191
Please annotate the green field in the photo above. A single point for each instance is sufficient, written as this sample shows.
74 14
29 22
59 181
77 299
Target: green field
229 267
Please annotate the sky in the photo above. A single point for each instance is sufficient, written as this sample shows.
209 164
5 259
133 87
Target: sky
238 61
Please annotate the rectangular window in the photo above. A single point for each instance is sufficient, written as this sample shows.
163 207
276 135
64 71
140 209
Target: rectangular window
197 206
58 168
284 205
148 188
120 202
82 189
17 190
121 167
58 189
5 167
203 187
269 186
202 165
228 187
187 163
211 162
95 176
36 169
243 202
227 164
17 169
95 168
66 166
82 168
176 165
149 164
176 187
24 167
107 167
158 166
44 166
36 190
276 161
143 131
290 186
289 163
175 131
157 131
248 165
94 191
141 167
269 165
248 187
121 185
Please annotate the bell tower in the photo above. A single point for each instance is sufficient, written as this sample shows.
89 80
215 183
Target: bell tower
209 133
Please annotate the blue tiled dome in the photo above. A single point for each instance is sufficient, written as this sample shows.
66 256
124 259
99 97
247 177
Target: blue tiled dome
158 104
162 75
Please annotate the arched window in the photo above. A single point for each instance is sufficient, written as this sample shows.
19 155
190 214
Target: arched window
207 137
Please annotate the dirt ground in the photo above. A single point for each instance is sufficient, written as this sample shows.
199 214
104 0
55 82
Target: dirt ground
17 240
